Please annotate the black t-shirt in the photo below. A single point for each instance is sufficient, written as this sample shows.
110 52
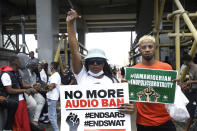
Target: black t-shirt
67 77
122 71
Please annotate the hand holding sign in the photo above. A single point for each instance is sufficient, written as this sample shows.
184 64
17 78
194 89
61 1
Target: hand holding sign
73 121
127 108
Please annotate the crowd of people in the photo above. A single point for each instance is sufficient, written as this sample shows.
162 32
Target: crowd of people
30 94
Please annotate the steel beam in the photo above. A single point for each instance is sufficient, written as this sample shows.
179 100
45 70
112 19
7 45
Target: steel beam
57 55
180 34
177 41
156 19
66 51
191 28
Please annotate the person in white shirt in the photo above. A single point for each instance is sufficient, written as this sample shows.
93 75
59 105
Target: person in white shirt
43 75
53 94
96 69
43 80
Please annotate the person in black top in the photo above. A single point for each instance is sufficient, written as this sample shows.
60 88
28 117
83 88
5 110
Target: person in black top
67 77
13 86
122 72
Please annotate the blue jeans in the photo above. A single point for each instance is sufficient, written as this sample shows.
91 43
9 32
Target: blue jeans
52 114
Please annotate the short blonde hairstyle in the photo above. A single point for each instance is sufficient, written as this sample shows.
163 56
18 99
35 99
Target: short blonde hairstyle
147 37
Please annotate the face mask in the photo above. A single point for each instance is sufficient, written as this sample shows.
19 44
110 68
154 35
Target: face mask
95 75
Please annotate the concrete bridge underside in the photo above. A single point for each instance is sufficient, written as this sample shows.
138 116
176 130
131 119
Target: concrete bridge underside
46 18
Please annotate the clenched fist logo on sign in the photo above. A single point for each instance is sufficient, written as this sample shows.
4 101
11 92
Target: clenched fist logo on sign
73 121
148 93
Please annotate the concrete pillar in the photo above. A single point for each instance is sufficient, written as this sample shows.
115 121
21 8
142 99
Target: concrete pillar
47 17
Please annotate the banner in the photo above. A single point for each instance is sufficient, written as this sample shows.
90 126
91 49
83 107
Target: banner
148 85
94 107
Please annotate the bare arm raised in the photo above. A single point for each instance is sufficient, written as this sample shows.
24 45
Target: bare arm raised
73 43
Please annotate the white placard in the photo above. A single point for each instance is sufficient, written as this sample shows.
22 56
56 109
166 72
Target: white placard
94 107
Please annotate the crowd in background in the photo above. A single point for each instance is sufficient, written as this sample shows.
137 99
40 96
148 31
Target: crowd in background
27 80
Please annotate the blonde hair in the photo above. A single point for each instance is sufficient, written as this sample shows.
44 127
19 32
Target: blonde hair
147 37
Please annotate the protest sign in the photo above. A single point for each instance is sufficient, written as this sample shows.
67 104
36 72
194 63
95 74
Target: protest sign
150 85
94 107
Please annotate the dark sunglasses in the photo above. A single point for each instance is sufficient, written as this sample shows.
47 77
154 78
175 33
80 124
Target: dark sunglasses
98 61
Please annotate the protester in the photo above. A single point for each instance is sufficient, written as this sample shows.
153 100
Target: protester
35 101
122 72
16 105
53 95
190 88
67 77
45 67
182 68
152 116
95 69
42 73
43 80
32 58
3 101
114 71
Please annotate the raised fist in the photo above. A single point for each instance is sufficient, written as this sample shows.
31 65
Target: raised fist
157 96
148 92
73 122
71 16
139 95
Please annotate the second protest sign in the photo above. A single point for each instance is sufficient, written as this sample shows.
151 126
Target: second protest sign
150 85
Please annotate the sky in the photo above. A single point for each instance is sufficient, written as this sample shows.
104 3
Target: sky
31 42
115 44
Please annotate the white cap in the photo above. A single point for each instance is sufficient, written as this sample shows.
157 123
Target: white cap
96 53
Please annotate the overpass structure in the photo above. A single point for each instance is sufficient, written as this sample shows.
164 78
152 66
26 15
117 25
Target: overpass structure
46 19
172 22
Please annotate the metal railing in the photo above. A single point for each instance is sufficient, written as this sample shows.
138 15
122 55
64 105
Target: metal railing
179 32
57 58
182 13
